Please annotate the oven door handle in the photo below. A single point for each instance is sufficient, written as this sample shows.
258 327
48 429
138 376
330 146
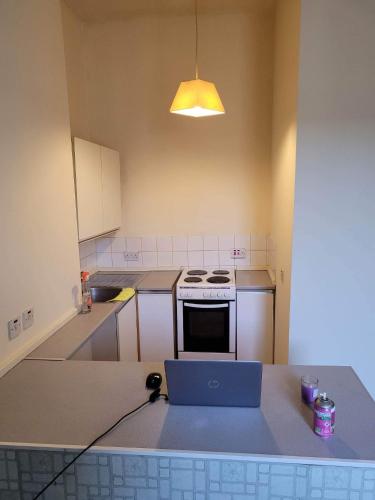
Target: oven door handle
205 306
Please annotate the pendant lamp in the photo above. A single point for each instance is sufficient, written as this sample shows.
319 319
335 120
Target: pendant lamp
197 97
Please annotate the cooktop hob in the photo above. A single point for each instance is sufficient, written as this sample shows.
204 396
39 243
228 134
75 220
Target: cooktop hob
206 284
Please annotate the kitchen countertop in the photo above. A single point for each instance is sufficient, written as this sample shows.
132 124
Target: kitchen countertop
254 280
45 404
63 343
158 281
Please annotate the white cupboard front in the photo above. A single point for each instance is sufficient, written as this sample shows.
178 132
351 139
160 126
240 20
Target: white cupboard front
111 188
156 326
88 172
255 326
98 189
127 332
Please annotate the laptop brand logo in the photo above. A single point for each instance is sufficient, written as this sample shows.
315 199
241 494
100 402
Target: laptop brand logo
213 384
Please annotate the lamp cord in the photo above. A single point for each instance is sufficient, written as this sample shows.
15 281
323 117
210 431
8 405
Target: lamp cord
196 40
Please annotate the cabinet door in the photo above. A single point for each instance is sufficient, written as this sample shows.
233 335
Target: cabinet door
88 188
255 326
111 189
156 327
127 332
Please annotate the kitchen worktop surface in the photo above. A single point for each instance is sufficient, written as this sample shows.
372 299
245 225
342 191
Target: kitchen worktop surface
69 403
254 280
63 343
158 281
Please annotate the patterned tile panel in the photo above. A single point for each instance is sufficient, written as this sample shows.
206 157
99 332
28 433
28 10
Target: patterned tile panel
120 476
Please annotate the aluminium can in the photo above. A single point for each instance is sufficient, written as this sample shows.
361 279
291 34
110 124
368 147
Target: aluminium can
324 416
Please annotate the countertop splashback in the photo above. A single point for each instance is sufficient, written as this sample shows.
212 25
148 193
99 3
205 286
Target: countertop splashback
177 251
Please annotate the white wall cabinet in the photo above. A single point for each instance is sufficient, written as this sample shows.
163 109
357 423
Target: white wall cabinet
127 332
156 326
98 188
255 329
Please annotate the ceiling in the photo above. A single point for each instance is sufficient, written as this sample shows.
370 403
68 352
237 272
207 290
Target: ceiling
109 10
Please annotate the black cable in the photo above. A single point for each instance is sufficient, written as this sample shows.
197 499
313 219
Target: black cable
153 397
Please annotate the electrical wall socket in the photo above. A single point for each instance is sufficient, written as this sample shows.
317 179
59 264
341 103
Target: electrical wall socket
27 318
14 328
238 253
131 256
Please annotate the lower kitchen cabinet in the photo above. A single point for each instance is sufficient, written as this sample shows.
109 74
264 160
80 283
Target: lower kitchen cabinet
255 325
102 345
156 326
127 332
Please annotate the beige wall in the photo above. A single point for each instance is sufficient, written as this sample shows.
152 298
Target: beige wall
181 175
332 295
39 254
287 21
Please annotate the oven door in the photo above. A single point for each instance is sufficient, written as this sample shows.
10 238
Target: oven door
206 326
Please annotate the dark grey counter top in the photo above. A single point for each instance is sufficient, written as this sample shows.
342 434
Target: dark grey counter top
253 280
45 403
63 343
158 281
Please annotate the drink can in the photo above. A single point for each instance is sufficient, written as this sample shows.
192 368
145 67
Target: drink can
324 416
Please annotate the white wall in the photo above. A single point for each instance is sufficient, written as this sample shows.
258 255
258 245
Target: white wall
180 175
333 272
286 51
39 251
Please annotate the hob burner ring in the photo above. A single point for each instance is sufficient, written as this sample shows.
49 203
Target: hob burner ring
220 271
193 279
196 272
218 279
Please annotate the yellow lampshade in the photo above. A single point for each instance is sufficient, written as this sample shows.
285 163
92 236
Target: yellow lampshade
197 98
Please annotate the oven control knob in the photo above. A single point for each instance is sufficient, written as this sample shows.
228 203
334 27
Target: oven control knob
219 294
212 294
206 294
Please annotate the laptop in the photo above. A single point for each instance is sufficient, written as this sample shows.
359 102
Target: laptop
214 383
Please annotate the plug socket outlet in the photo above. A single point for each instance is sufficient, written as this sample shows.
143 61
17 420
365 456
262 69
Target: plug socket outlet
14 328
28 318
131 256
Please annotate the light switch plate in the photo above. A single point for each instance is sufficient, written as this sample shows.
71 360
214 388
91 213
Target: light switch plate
14 328
27 318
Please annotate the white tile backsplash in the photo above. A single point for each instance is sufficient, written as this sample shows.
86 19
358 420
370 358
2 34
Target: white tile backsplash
104 259
258 242
211 242
118 244
180 259
118 259
103 244
225 258
178 251
179 243
133 244
165 259
210 258
149 244
226 242
195 242
258 258
150 259
164 244
195 258
242 241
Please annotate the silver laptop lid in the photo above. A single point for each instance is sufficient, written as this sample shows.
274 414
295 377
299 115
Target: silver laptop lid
214 383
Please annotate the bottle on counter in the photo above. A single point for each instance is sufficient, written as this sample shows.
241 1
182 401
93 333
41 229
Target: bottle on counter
324 416
86 294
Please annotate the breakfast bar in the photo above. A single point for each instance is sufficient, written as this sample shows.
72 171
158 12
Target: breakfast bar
54 408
